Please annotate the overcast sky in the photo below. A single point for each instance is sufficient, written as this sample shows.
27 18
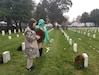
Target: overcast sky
80 6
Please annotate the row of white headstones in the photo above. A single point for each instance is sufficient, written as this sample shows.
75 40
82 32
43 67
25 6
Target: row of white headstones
87 32
9 31
50 42
90 32
85 56
6 54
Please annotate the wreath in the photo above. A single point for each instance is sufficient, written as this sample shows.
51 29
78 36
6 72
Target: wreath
40 33
79 62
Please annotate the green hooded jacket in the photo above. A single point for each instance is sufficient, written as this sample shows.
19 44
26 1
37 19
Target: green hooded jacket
41 24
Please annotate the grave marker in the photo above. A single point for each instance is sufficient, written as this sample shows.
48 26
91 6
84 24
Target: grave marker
88 34
19 30
94 36
3 32
9 31
23 46
6 56
70 41
9 37
85 60
17 35
75 47
14 30
67 38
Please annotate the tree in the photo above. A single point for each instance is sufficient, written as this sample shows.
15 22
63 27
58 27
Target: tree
53 9
95 16
85 18
22 11
17 10
40 12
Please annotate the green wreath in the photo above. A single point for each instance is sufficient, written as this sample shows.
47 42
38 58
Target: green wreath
41 33
79 62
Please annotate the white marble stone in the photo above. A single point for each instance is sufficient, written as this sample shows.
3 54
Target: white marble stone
98 51
3 32
70 41
23 46
9 31
67 38
65 35
75 47
9 37
84 33
23 34
79 38
14 30
88 34
19 30
50 30
17 35
85 60
94 36
6 56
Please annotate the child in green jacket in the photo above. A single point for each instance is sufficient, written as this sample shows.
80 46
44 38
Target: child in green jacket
41 25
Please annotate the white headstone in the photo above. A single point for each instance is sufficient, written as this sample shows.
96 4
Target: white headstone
88 34
95 30
23 34
9 37
84 33
17 35
3 32
6 56
65 35
94 36
75 47
85 60
14 30
19 30
23 46
67 38
9 31
70 41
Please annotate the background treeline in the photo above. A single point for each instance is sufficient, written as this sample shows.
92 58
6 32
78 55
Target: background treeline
15 11
93 16
20 11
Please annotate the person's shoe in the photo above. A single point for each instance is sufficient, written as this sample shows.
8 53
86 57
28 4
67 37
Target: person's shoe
31 69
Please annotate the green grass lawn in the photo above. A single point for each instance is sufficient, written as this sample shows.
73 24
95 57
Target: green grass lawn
58 61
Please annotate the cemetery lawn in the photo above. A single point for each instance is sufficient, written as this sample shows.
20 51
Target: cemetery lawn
59 60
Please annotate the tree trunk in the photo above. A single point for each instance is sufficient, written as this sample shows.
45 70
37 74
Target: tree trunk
8 24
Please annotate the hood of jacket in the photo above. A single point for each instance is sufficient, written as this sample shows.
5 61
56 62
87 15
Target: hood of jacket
41 21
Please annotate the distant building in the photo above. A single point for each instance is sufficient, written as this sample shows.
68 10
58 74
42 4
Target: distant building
3 23
90 24
78 19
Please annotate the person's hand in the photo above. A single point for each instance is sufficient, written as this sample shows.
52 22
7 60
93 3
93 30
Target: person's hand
38 37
